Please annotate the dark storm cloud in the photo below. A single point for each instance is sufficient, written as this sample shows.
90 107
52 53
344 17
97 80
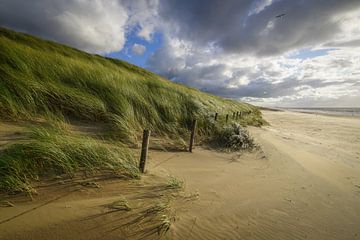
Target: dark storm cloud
262 88
351 43
227 24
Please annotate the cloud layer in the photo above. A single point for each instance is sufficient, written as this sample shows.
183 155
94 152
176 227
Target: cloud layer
239 49
233 48
92 25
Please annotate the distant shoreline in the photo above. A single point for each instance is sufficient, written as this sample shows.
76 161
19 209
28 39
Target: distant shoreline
336 112
271 109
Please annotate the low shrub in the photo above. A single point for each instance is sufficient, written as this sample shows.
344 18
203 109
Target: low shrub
232 137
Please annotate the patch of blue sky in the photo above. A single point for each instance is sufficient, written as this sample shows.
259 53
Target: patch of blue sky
307 53
126 53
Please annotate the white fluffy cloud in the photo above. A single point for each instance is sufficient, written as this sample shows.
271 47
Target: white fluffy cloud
138 49
144 15
273 80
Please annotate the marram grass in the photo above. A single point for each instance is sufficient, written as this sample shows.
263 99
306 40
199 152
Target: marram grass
39 77
53 151
44 80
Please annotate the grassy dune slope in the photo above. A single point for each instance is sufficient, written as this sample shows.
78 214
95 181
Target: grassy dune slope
44 80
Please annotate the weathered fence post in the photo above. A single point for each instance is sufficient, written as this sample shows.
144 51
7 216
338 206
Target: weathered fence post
192 137
227 118
237 115
144 149
233 115
216 115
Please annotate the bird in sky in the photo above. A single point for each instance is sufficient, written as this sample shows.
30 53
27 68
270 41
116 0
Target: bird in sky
280 15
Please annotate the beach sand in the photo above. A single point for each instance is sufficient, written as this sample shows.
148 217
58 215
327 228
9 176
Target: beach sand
303 184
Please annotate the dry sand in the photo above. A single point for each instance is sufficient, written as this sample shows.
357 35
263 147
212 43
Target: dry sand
84 211
306 187
305 184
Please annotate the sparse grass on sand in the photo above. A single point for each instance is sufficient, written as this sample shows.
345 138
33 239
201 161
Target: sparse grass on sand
122 204
175 183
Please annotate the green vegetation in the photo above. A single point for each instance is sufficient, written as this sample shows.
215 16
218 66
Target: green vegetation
122 204
38 78
54 151
232 137
54 83
174 183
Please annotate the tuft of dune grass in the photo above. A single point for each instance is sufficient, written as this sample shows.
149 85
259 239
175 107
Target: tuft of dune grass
53 151
175 183
232 137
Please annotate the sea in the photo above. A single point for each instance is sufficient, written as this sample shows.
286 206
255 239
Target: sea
328 111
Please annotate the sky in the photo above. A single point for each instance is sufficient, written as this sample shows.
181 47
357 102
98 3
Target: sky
238 49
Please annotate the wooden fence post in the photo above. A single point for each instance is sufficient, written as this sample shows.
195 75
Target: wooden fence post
233 115
144 149
227 118
192 137
216 115
237 115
